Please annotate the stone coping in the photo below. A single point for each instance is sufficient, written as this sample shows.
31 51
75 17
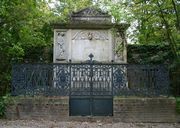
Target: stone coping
122 26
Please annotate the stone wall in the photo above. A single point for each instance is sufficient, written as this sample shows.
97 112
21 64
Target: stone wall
39 108
125 109
145 110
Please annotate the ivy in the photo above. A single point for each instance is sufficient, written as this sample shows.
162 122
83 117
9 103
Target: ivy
149 54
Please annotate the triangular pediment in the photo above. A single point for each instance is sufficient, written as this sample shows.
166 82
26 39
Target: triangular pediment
90 16
88 12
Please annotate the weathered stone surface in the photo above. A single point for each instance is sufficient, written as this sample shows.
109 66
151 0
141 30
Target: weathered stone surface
145 110
90 31
90 15
96 42
124 110
39 108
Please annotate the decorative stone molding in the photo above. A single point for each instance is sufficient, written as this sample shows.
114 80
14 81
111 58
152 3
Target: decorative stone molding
90 15
119 45
60 42
90 12
90 35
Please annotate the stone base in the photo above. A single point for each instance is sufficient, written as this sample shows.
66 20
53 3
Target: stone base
145 110
54 108
124 110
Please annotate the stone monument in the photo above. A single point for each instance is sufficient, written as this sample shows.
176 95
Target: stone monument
90 31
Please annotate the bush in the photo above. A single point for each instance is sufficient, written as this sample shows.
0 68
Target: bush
4 100
149 54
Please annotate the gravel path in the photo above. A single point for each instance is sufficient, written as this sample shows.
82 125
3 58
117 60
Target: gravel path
73 124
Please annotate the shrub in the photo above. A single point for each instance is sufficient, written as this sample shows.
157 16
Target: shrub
4 100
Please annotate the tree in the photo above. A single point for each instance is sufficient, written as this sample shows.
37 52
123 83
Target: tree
158 22
118 9
65 7
22 30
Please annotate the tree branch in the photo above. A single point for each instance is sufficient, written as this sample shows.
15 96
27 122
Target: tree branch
177 16
168 32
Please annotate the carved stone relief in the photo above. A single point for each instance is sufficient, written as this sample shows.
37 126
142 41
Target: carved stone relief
90 12
119 45
60 42
90 35
90 15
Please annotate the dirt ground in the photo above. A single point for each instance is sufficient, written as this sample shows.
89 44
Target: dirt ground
73 124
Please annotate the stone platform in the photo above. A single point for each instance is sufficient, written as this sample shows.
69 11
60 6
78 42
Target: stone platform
124 110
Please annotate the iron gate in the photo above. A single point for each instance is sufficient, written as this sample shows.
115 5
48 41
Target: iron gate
91 91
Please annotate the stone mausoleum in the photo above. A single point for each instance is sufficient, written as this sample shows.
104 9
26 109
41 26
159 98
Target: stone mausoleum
85 89
90 31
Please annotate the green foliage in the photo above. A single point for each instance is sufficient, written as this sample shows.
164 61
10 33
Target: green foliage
178 104
158 22
24 34
3 103
66 7
149 54
2 107
118 9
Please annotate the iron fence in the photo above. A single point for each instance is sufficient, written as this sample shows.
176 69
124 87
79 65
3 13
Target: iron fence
89 78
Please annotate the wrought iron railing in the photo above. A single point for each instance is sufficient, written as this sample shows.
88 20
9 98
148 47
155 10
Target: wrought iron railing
89 79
